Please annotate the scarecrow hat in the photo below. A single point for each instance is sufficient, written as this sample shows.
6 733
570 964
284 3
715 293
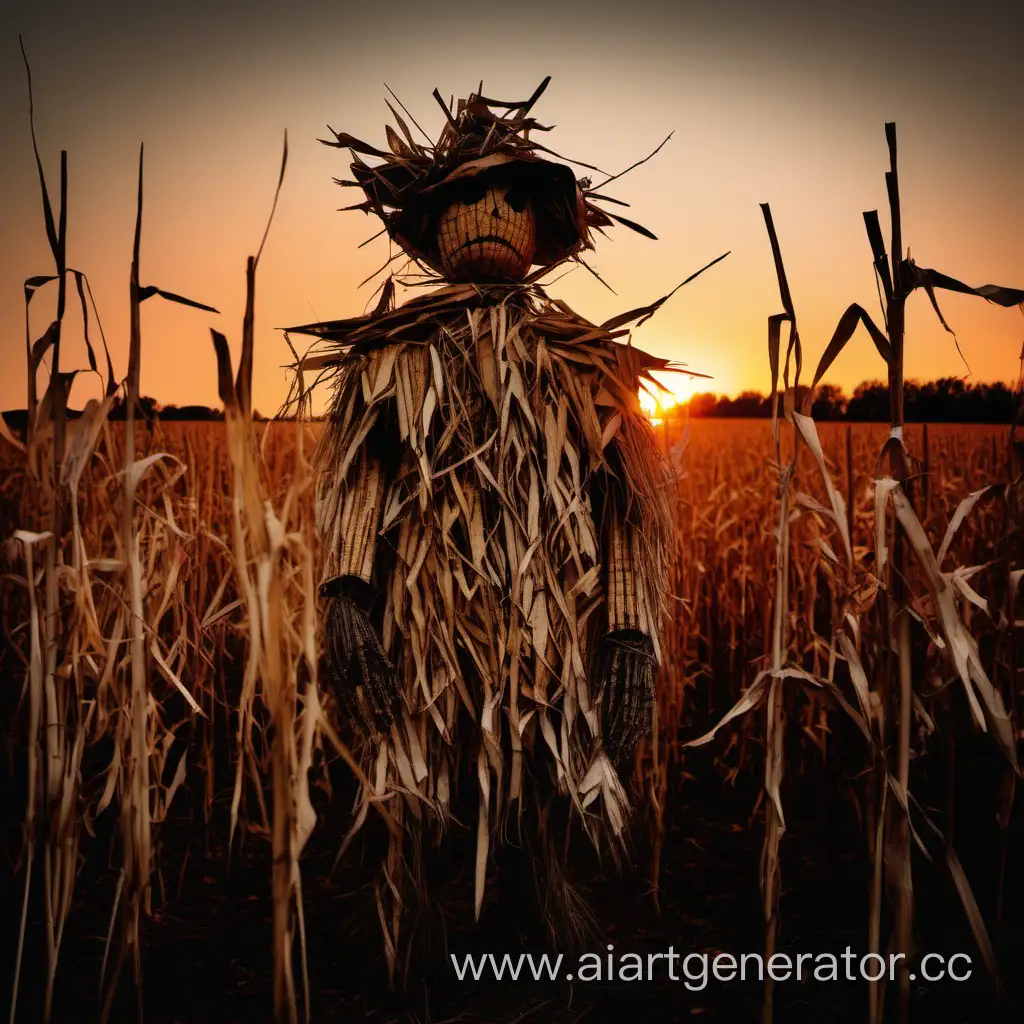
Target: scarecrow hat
414 182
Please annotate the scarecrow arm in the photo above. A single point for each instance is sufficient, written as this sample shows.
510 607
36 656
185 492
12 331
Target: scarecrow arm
350 522
348 518
625 662
628 605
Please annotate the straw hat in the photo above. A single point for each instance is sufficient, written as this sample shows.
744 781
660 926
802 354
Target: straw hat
413 183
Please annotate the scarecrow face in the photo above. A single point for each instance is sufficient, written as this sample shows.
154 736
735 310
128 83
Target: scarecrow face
488 232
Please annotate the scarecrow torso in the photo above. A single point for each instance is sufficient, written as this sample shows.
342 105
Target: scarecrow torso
509 427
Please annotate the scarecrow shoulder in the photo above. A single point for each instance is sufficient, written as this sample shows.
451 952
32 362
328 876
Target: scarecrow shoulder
373 375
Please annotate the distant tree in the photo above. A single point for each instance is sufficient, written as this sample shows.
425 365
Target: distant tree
17 422
200 413
829 402
702 404
996 404
146 408
746 405
870 403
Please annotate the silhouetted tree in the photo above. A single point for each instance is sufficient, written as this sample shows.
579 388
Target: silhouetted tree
702 404
829 403
870 403
745 405
190 412
147 408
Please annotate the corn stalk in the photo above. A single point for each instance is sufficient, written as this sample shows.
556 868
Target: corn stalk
775 823
274 571
137 698
55 711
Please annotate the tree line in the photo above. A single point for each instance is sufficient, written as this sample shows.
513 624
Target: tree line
947 400
147 408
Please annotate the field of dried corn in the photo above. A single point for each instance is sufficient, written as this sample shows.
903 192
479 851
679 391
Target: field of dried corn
206 746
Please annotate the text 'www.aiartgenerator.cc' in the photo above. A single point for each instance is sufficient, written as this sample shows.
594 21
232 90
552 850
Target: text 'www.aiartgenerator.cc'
697 970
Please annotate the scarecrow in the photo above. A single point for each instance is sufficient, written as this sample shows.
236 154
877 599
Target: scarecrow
493 504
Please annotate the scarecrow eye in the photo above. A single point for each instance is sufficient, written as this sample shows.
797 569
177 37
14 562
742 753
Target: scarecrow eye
472 193
516 197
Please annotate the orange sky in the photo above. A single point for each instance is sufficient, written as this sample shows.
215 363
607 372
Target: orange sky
782 106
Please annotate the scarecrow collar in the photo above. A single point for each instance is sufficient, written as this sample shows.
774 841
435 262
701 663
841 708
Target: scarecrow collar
482 138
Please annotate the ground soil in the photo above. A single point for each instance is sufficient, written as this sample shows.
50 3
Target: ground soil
207 955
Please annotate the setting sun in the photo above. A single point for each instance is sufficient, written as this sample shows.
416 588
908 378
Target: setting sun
673 389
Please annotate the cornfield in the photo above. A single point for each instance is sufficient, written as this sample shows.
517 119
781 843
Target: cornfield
857 584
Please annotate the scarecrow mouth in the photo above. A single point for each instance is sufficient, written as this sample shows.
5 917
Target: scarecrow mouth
489 238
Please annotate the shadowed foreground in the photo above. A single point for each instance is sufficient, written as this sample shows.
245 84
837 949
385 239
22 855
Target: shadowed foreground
206 955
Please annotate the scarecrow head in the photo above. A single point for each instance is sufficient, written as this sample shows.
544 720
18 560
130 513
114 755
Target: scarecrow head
487 227
479 204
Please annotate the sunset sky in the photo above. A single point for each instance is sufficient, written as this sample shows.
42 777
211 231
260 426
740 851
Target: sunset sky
770 102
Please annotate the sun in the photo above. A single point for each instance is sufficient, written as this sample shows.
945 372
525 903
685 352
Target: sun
673 389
